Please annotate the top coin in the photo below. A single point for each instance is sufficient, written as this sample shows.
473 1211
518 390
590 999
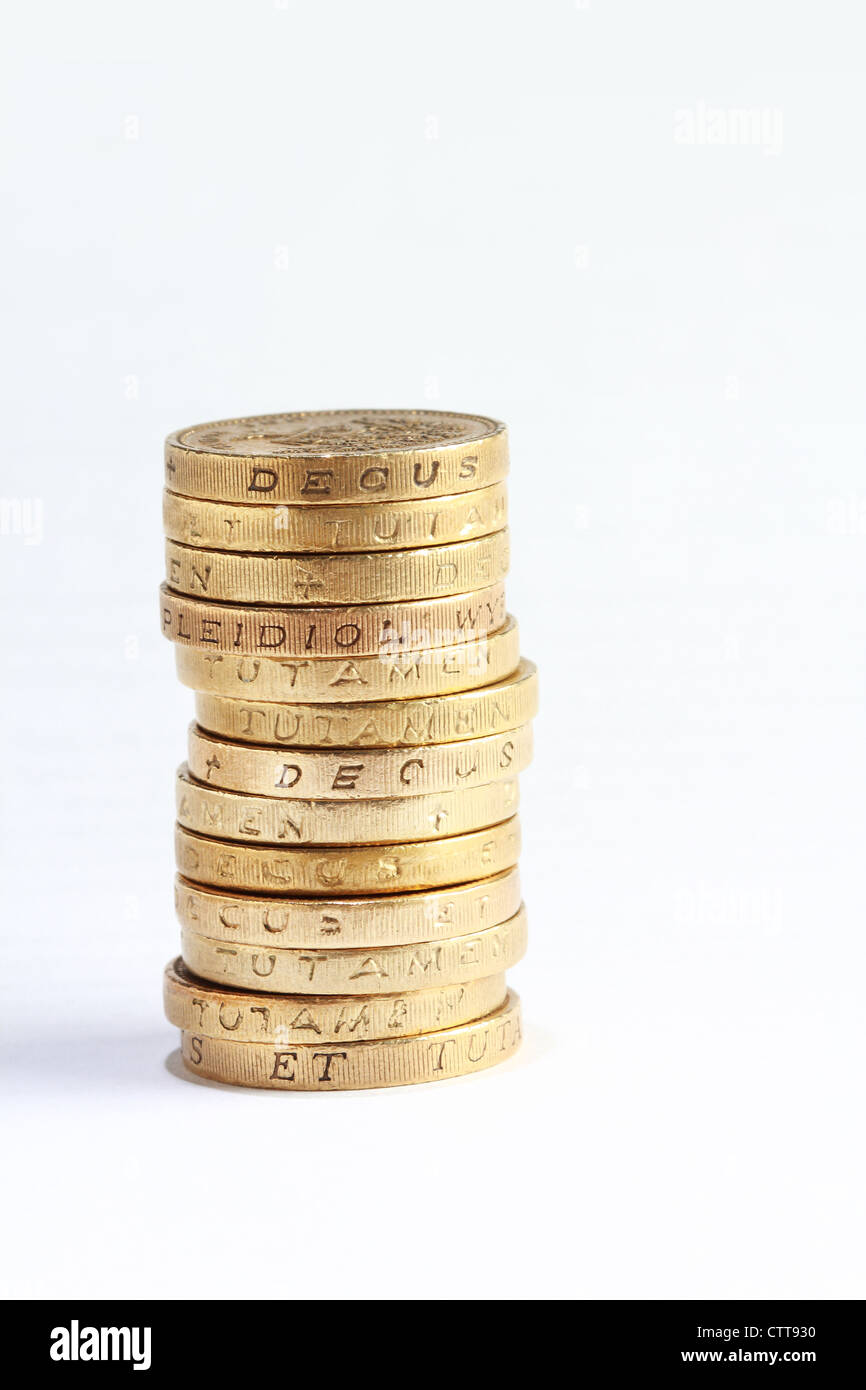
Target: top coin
337 455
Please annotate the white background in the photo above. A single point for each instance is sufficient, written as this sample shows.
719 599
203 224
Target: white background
223 208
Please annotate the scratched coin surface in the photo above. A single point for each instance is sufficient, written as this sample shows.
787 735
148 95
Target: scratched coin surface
421 674
350 869
390 920
407 723
383 629
355 1066
266 527
267 820
217 1011
393 576
357 773
337 456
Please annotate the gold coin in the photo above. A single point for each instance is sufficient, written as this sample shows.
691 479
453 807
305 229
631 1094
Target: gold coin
267 820
322 456
357 1066
374 970
406 675
403 723
354 922
390 576
383 630
357 774
353 869
215 1011
266 526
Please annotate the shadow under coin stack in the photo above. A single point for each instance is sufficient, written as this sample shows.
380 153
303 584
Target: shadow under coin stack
347 837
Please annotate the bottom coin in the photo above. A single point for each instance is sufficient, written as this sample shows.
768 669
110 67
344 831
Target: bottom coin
278 1019
357 1066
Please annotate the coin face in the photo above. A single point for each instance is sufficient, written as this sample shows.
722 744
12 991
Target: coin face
343 433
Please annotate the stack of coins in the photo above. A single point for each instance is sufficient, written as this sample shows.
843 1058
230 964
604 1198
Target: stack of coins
347 836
